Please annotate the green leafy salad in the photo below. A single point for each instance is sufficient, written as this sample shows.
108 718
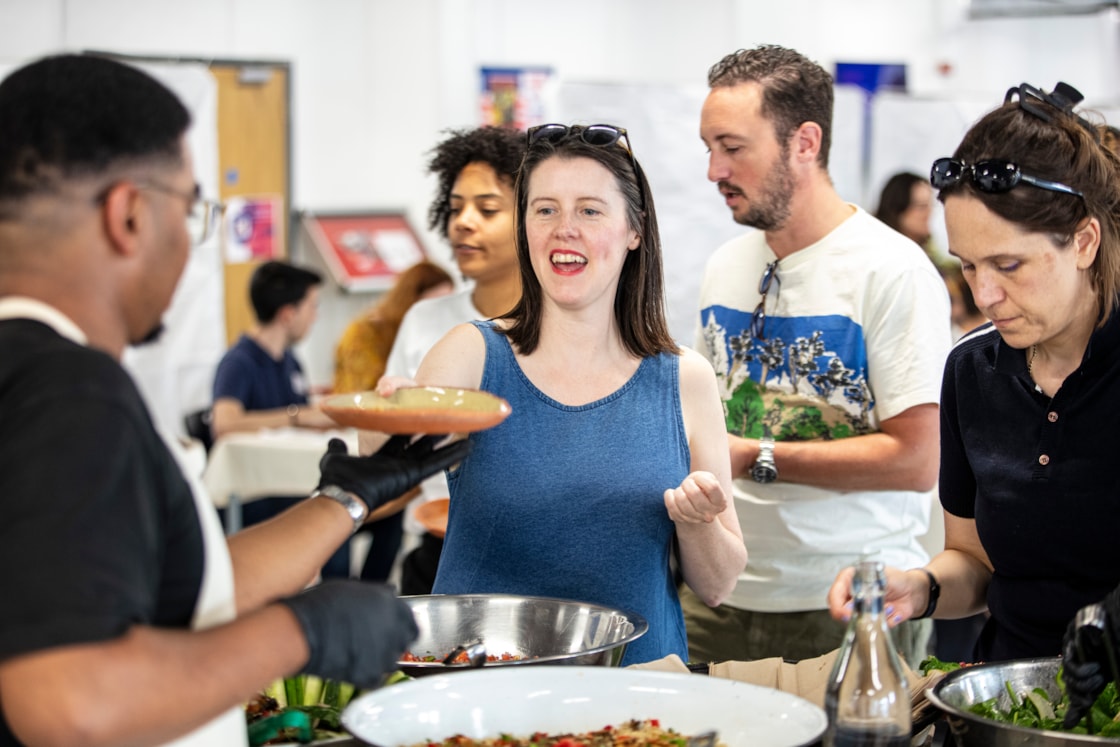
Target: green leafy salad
1035 709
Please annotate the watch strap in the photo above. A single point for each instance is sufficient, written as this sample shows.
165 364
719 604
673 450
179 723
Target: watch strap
354 505
934 594
764 470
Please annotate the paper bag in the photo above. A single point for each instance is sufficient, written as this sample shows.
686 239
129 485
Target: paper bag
807 678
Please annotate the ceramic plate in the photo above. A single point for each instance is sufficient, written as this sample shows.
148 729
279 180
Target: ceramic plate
488 702
432 515
425 409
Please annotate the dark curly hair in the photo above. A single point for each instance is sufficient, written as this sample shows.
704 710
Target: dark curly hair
501 148
794 89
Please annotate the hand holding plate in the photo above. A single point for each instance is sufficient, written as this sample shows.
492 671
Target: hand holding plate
387 473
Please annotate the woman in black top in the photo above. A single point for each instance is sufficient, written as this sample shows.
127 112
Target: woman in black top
1030 407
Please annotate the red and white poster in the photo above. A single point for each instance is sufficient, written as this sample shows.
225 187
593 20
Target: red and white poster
252 228
365 251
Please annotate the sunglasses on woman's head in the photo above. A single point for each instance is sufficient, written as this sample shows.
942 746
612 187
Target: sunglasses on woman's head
599 134
603 135
992 175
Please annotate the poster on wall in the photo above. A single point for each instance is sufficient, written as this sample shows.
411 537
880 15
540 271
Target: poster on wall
251 228
364 251
514 96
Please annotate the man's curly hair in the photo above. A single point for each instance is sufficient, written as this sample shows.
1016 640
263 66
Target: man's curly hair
500 147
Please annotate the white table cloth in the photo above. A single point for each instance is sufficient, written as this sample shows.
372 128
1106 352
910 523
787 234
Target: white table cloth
284 461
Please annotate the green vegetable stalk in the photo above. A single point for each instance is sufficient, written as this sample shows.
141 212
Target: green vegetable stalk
308 709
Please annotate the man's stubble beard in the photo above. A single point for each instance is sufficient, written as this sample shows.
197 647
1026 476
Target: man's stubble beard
772 209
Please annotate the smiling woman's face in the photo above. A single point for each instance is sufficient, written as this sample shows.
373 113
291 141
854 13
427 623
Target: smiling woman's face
578 232
1031 289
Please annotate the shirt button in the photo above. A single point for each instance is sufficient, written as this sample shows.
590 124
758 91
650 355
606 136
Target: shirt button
1052 417
1044 460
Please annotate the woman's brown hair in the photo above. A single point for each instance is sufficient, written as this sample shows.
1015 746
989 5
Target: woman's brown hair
1062 148
639 304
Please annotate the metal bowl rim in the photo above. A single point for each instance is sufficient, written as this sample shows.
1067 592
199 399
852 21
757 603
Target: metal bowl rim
641 626
933 695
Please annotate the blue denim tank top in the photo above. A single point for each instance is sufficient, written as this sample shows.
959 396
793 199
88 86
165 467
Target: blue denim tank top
568 502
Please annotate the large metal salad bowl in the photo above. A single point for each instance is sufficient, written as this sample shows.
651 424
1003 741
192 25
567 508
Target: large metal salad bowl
959 690
525 630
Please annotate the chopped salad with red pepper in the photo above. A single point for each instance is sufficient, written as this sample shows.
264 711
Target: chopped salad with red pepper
634 733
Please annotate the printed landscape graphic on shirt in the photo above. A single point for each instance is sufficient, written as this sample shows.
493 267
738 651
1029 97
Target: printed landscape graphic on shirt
807 380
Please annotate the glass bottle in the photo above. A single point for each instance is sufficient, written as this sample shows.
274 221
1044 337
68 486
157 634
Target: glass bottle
868 699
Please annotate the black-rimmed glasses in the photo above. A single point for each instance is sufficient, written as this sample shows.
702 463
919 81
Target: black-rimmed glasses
758 318
992 175
203 215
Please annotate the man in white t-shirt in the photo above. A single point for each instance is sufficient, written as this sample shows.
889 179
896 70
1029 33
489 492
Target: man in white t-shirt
473 208
828 332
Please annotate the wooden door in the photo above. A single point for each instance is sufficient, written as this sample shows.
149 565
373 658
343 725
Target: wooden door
253 157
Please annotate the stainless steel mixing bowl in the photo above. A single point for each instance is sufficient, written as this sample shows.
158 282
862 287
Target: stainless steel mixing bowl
958 690
539 630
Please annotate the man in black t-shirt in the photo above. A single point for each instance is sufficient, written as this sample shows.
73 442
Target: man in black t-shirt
127 618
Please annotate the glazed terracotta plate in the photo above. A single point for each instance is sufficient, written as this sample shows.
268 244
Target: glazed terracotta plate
426 409
433 515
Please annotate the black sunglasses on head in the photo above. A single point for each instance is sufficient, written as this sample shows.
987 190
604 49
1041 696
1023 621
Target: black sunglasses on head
992 175
598 134
602 135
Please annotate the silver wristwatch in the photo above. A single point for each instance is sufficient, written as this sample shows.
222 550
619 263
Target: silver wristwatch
764 470
354 505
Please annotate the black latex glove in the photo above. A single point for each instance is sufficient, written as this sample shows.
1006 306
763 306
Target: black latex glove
1087 663
356 630
1083 677
391 470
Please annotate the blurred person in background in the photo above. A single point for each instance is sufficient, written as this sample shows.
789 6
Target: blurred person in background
905 204
964 313
259 382
473 209
1110 138
828 367
359 361
129 618
614 457
1029 403
364 346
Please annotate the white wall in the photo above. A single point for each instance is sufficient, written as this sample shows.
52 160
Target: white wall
376 81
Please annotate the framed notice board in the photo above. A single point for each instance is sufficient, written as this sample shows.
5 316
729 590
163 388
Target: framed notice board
364 251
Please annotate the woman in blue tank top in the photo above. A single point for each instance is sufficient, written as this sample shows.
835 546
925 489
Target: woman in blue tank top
616 444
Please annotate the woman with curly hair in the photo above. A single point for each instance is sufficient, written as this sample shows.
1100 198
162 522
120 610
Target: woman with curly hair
473 208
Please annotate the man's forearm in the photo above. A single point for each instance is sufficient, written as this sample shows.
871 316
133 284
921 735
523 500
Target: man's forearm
903 455
281 556
149 685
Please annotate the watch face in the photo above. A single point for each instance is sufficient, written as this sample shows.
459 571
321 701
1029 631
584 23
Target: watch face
764 473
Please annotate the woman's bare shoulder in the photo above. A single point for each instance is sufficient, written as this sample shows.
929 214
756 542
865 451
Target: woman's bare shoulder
694 365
